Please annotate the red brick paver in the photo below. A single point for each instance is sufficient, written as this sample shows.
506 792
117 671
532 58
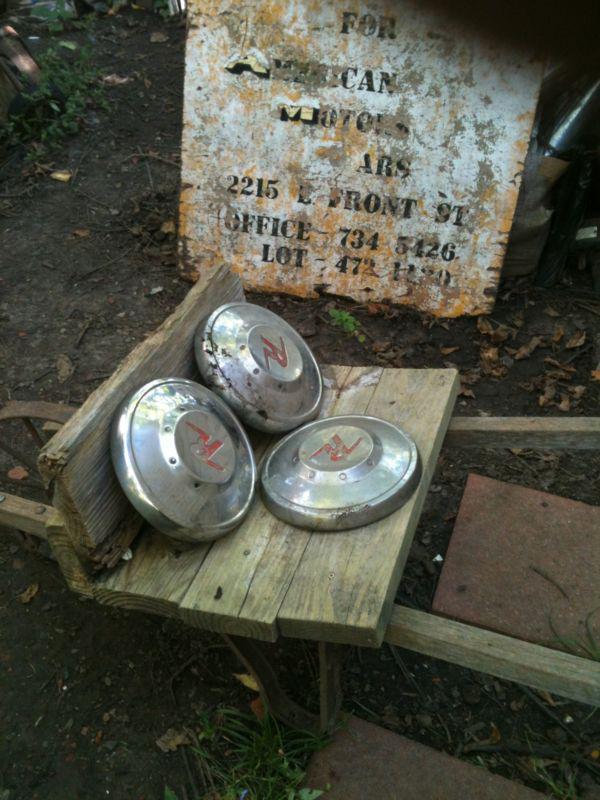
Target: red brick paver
524 563
366 762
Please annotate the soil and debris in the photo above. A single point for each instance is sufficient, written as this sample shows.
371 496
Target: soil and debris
93 701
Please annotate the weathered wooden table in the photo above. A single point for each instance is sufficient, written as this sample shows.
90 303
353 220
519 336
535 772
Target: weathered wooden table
268 579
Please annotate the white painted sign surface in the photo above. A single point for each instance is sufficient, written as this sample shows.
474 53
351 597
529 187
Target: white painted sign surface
371 151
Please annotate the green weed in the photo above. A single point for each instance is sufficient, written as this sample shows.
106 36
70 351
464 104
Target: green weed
562 787
346 322
587 645
56 17
243 758
55 108
161 7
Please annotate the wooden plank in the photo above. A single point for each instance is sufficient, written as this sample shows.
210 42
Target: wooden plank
545 433
24 515
515 660
74 571
155 579
344 587
245 577
77 458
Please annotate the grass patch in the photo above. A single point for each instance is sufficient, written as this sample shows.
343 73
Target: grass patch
586 646
562 786
243 758
55 108
347 322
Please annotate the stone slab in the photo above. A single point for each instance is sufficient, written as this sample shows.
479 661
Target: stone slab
366 762
524 563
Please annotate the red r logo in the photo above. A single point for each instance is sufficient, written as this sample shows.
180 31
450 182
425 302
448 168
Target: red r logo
278 354
204 450
338 450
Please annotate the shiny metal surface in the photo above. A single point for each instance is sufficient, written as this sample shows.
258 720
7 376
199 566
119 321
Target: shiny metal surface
183 459
260 366
340 472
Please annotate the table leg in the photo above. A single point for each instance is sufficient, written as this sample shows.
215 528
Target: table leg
255 660
331 657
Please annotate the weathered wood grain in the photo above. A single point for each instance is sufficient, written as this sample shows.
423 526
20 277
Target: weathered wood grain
545 433
493 653
73 569
155 580
77 458
24 515
242 583
344 587
239 584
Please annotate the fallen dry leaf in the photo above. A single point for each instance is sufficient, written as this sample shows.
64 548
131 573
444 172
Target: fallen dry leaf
551 312
500 334
527 386
171 740
380 346
576 340
83 233
64 367
168 226
565 403
554 363
374 309
548 394
489 354
559 375
247 680
466 392
445 351
484 326
596 374
158 36
527 349
257 708
470 376
62 175
558 334
576 391
29 593
115 80
490 362
18 474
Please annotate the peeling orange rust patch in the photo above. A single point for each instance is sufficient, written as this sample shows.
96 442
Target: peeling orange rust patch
394 182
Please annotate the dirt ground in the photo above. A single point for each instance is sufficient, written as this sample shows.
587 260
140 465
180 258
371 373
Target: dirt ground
87 269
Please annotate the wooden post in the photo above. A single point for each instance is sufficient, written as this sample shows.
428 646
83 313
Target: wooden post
331 657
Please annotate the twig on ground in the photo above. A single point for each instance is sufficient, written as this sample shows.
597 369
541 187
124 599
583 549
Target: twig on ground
578 353
155 157
101 266
83 331
148 171
406 672
554 717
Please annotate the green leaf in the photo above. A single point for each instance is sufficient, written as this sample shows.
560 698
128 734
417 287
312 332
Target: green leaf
309 794
67 45
170 794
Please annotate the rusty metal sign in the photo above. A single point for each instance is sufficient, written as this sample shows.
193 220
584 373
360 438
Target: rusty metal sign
368 150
